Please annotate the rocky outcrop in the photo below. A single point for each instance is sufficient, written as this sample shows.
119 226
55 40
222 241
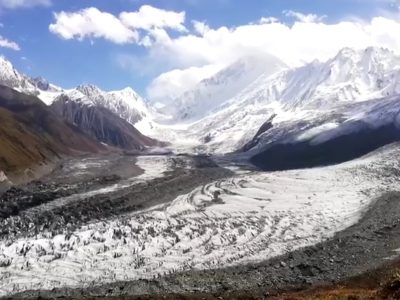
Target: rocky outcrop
265 127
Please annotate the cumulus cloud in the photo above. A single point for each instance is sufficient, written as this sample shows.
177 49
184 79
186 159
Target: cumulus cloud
13 4
267 20
306 18
92 23
5 43
148 18
200 27
126 28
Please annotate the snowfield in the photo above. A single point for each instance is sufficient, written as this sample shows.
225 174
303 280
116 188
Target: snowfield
252 217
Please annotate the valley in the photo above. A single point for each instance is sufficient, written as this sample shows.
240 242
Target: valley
106 234
258 179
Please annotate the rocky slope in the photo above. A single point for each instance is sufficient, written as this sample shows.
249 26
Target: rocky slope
125 103
99 122
32 135
106 116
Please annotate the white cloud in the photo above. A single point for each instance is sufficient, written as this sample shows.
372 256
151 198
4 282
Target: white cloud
13 4
5 43
294 44
200 27
267 20
188 52
92 23
306 18
148 18
171 84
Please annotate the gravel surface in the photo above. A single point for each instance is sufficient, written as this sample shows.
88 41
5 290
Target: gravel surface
105 189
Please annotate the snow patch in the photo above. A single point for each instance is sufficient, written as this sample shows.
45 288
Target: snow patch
3 177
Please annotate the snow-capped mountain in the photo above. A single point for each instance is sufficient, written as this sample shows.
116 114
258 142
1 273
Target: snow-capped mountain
315 89
350 76
10 77
126 103
212 92
106 116
38 86
223 113
99 122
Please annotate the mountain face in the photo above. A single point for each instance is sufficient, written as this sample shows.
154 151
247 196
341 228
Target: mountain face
12 78
331 112
32 135
97 121
304 95
125 103
38 86
106 116
348 132
350 76
256 105
210 93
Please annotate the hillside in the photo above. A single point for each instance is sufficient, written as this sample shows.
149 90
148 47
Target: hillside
32 135
99 122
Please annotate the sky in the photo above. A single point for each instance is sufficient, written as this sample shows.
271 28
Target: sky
162 48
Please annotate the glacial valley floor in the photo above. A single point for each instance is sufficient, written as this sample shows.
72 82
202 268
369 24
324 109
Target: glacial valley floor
266 235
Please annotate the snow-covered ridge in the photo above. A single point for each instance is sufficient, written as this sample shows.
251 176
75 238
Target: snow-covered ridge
350 79
125 103
350 76
38 86
200 101
222 113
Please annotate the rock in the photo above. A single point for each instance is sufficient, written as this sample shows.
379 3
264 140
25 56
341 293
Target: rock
3 177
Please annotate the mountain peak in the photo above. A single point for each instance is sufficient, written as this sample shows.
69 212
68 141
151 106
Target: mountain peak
4 62
369 53
89 89
127 92
213 92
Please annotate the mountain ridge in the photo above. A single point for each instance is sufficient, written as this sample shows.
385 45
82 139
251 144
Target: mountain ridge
32 135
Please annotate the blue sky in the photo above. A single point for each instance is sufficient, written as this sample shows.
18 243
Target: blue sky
111 65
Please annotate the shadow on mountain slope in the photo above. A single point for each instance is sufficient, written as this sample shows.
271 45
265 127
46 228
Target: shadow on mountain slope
340 149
